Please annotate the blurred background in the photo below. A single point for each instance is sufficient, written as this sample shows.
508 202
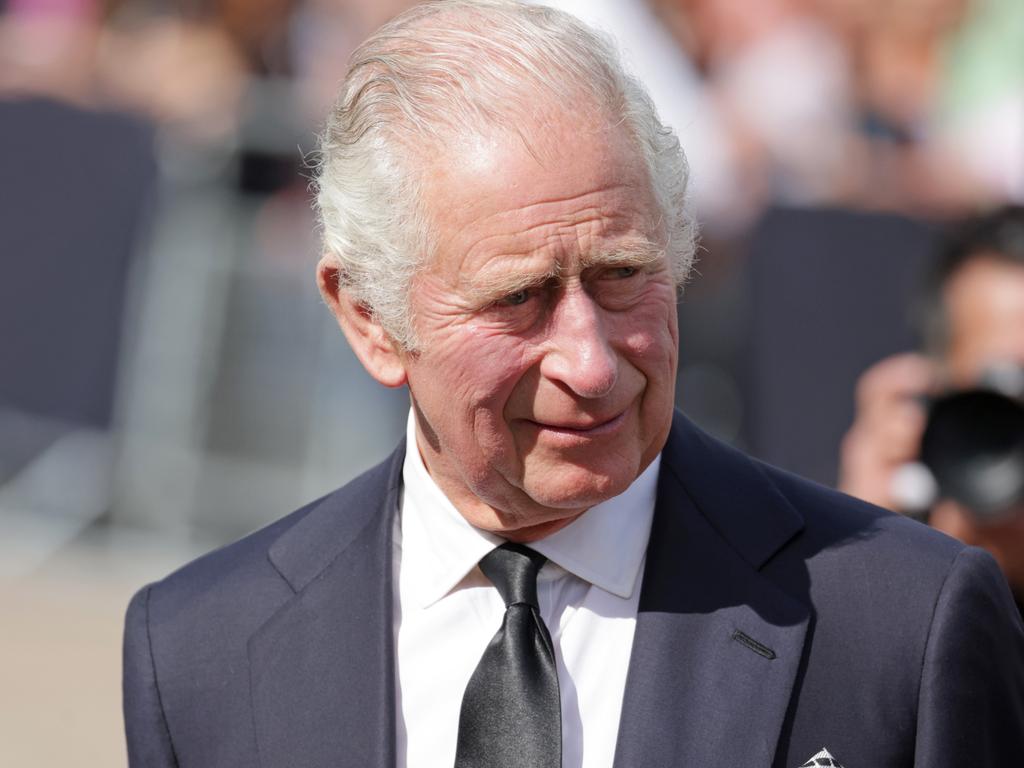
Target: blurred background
170 381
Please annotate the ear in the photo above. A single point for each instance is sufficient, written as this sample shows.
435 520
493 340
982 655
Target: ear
376 350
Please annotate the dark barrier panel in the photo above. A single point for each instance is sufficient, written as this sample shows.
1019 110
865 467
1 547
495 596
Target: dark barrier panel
74 190
831 292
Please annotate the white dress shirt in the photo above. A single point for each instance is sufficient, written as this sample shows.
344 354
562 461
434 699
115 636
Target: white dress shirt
446 612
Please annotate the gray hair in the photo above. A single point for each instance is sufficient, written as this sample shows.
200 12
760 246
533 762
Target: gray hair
427 76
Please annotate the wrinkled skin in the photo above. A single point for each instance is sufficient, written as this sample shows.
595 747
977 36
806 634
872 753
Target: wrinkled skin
544 378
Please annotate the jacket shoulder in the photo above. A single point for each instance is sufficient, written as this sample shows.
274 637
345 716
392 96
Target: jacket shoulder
751 502
186 643
828 512
241 575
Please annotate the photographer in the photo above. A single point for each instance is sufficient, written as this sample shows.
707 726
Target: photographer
974 328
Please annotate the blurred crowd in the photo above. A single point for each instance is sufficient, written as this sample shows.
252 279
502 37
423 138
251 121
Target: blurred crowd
912 105
829 140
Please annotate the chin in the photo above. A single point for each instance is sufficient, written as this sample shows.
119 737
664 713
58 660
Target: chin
582 492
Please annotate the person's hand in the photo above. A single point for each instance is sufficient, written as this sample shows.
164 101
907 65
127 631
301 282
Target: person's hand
887 428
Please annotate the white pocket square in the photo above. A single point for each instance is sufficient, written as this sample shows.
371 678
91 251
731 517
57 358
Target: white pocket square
823 758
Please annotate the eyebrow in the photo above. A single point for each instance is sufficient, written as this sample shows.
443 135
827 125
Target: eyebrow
632 253
638 253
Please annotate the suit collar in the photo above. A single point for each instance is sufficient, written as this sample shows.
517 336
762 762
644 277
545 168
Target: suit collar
731 491
604 547
718 646
311 545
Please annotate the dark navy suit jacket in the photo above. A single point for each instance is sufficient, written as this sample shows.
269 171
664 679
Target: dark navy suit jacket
776 618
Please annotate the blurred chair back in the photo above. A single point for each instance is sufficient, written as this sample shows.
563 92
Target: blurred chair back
832 292
75 187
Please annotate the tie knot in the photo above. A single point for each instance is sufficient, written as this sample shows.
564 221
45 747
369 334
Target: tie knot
513 569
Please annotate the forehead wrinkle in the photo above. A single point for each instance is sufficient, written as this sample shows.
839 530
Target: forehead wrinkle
558 229
597 222
498 258
561 199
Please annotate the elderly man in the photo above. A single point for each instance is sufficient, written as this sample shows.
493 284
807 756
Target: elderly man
554 569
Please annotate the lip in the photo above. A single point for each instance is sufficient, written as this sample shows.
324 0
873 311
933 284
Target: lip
597 429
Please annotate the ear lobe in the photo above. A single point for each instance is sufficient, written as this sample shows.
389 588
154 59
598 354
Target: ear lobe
376 350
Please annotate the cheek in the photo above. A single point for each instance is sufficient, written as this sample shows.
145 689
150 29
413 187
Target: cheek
482 371
488 369
651 335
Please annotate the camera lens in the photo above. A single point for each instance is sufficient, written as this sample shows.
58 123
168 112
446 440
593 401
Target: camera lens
974 446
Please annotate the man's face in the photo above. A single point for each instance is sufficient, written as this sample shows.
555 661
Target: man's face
544 377
984 303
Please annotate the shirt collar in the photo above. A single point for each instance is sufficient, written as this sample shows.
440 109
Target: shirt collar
605 546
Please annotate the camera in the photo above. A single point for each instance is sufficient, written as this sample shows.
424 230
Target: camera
973 444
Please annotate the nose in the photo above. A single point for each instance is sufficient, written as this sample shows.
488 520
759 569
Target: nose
579 354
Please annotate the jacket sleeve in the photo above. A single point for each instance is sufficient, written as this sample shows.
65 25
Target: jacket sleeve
149 741
971 700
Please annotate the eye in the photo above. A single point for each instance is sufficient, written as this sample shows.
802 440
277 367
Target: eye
517 298
622 272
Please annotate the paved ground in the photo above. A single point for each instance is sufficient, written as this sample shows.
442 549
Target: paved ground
60 647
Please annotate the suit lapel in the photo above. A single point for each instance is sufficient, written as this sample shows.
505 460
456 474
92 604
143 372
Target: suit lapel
715 654
322 668
717 646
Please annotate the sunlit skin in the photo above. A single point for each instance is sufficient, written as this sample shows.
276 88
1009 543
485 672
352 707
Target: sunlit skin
544 378
985 313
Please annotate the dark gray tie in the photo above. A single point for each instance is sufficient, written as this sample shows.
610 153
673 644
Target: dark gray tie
511 711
